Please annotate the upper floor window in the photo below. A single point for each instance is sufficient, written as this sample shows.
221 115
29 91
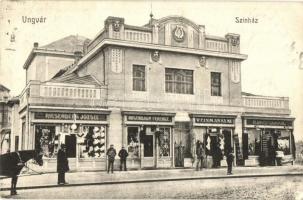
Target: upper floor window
215 84
139 78
179 81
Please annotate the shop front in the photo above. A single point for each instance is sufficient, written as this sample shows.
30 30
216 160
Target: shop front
266 140
148 136
83 133
216 133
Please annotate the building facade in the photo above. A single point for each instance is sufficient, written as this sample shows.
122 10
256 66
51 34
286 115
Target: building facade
5 119
156 89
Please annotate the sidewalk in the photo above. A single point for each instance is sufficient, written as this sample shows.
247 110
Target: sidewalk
98 178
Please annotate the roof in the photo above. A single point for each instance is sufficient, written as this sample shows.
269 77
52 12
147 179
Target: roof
70 43
3 88
74 78
248 94
65 46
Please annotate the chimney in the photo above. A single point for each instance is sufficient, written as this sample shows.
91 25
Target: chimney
78 56
36 44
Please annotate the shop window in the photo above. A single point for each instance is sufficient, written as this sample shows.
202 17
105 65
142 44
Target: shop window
91 141
164 142
178 81
215 84
283 141
47 140
133 142
254 143
139 78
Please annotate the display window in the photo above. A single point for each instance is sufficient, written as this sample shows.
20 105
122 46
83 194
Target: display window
283 141
47 140
254 142
133 142
91 141
164 142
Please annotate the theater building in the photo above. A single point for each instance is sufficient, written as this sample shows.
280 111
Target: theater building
156 89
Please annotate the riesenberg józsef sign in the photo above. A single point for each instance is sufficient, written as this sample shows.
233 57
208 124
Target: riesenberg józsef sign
70 116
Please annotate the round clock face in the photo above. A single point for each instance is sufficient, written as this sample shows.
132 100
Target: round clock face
179 33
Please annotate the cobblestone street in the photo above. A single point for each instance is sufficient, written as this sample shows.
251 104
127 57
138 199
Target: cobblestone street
274 188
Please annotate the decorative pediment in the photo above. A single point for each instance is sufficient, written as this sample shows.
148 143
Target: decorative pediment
178 20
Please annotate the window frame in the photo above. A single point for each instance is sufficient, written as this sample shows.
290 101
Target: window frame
180 82
216 85
139 89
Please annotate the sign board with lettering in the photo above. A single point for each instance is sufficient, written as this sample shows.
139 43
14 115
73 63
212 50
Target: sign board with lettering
213 120
149 118
268 122
70 116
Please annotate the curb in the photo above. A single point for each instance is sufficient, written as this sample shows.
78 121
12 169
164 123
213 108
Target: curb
157 180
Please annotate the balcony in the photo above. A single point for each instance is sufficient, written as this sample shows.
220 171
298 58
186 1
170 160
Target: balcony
58 94
254 103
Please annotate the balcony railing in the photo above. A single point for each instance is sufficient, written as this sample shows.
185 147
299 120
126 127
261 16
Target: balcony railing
138 36
266 102
215 45
63 94
69 92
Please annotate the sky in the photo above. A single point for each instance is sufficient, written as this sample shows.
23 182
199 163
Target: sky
274 45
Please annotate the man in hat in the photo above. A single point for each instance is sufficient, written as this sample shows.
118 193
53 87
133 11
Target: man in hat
111 154
62 165
229 160
123 155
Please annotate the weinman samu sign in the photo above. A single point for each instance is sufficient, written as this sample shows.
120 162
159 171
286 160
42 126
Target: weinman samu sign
213 120
70 116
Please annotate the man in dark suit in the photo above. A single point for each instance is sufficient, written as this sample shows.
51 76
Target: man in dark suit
229 160
123 155
111 154
62 165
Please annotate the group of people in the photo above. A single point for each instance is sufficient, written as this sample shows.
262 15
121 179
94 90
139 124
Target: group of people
201 157
63 167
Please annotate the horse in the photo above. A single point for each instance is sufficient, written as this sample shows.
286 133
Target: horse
12 163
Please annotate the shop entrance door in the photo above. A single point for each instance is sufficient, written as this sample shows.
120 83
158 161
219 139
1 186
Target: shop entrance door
267 156
70 142
148 151
179 143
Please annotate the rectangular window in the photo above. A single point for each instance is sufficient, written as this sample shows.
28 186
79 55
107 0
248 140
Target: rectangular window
91 141
179 81
139 78
215 84
47 140
133 142
164 142
254 142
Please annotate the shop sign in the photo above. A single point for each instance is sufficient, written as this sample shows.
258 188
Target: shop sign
147 118
213 120
70 116
267 122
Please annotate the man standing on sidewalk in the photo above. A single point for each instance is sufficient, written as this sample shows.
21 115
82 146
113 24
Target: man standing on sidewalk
111 154
229 160
123 155
200 155
62 164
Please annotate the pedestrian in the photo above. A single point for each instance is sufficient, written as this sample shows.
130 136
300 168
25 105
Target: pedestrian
62 165
111 154
200 156
229 160
123 155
